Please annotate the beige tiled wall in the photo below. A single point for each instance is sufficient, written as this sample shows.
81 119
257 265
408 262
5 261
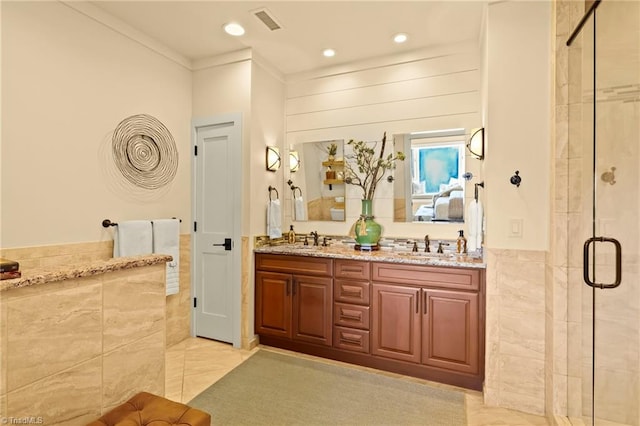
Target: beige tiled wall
178 306
515 330
73 349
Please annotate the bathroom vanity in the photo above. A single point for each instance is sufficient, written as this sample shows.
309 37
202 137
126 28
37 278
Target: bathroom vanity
405 313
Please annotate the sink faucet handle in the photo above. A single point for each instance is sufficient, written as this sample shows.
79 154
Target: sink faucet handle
427 249
440 244
415 247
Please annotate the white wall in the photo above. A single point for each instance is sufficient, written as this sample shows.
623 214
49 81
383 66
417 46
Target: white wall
267 128
225 87
67 81
429 89
518 123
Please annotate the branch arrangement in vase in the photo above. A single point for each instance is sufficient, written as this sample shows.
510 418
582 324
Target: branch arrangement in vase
367 166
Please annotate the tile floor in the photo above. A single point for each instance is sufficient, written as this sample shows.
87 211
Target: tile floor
195 364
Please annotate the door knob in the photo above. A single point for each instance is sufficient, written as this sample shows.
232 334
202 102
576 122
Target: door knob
226 244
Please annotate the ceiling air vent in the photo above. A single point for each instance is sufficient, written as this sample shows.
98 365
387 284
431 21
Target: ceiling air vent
265 16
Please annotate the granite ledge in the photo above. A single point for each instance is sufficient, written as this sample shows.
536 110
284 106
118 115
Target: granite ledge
340 251
67 272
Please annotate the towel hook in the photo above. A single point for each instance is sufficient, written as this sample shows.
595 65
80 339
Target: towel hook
271 188
516 179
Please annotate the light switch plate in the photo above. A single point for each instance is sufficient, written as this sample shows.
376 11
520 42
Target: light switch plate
515 228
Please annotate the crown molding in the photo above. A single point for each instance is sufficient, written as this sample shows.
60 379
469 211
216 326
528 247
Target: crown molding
95 13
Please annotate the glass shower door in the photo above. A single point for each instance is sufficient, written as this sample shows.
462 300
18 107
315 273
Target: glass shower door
604 205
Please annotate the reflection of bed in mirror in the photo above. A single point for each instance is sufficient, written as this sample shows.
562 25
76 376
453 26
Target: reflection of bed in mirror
446 205
449 205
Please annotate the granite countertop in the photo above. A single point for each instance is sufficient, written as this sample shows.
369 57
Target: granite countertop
344 251
66 272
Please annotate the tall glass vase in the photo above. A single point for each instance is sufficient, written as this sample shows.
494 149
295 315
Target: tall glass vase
366 229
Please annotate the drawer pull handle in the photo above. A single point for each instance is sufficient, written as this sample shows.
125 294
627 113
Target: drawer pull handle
356 340
356 317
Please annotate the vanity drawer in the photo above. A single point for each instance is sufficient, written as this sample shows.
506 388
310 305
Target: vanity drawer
351 315
303 265
455 278
352 269
351 339
351 291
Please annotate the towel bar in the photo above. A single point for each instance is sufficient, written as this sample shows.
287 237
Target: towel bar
107 223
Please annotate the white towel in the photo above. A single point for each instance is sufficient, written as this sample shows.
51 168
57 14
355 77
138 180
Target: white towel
166 240
475 220
274 221
300 212
133 238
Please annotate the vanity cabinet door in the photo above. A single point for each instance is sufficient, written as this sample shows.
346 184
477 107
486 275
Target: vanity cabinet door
312 309
450 330
273 304
395 330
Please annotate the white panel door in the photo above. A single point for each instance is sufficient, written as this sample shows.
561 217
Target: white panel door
216 264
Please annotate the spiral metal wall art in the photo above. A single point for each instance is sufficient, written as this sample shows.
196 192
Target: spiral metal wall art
144 151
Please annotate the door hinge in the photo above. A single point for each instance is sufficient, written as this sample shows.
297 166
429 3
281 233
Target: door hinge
195 150
195 226
195 302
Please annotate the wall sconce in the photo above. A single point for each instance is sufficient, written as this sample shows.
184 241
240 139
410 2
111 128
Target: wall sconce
273 158
476 143
294 161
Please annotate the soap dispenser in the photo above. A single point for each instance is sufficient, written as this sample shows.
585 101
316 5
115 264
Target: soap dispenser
292 235
461 243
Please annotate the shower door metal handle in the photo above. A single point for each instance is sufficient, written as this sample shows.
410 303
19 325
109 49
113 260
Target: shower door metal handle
585 262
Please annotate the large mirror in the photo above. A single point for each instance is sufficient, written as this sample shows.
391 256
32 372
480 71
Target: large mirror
318 183
429 184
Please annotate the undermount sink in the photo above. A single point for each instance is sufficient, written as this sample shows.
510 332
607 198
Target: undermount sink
423 254
443 256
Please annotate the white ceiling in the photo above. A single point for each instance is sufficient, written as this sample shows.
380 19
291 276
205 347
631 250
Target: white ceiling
355 29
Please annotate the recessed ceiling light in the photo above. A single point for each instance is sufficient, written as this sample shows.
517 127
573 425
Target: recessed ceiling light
329 53
234 29
400 38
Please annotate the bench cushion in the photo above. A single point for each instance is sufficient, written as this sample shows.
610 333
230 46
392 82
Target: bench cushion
152 410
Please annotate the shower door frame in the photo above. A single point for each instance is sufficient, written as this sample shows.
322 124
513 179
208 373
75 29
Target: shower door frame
602 254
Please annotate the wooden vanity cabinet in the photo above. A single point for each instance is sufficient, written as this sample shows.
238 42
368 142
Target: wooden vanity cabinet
294 306
430 322
418 320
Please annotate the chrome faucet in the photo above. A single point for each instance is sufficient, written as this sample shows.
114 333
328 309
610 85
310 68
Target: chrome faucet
314 234
427 249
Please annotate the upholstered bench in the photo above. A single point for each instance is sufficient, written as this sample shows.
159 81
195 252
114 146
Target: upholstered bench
149 409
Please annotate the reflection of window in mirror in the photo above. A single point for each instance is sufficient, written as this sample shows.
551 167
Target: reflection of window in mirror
432 181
